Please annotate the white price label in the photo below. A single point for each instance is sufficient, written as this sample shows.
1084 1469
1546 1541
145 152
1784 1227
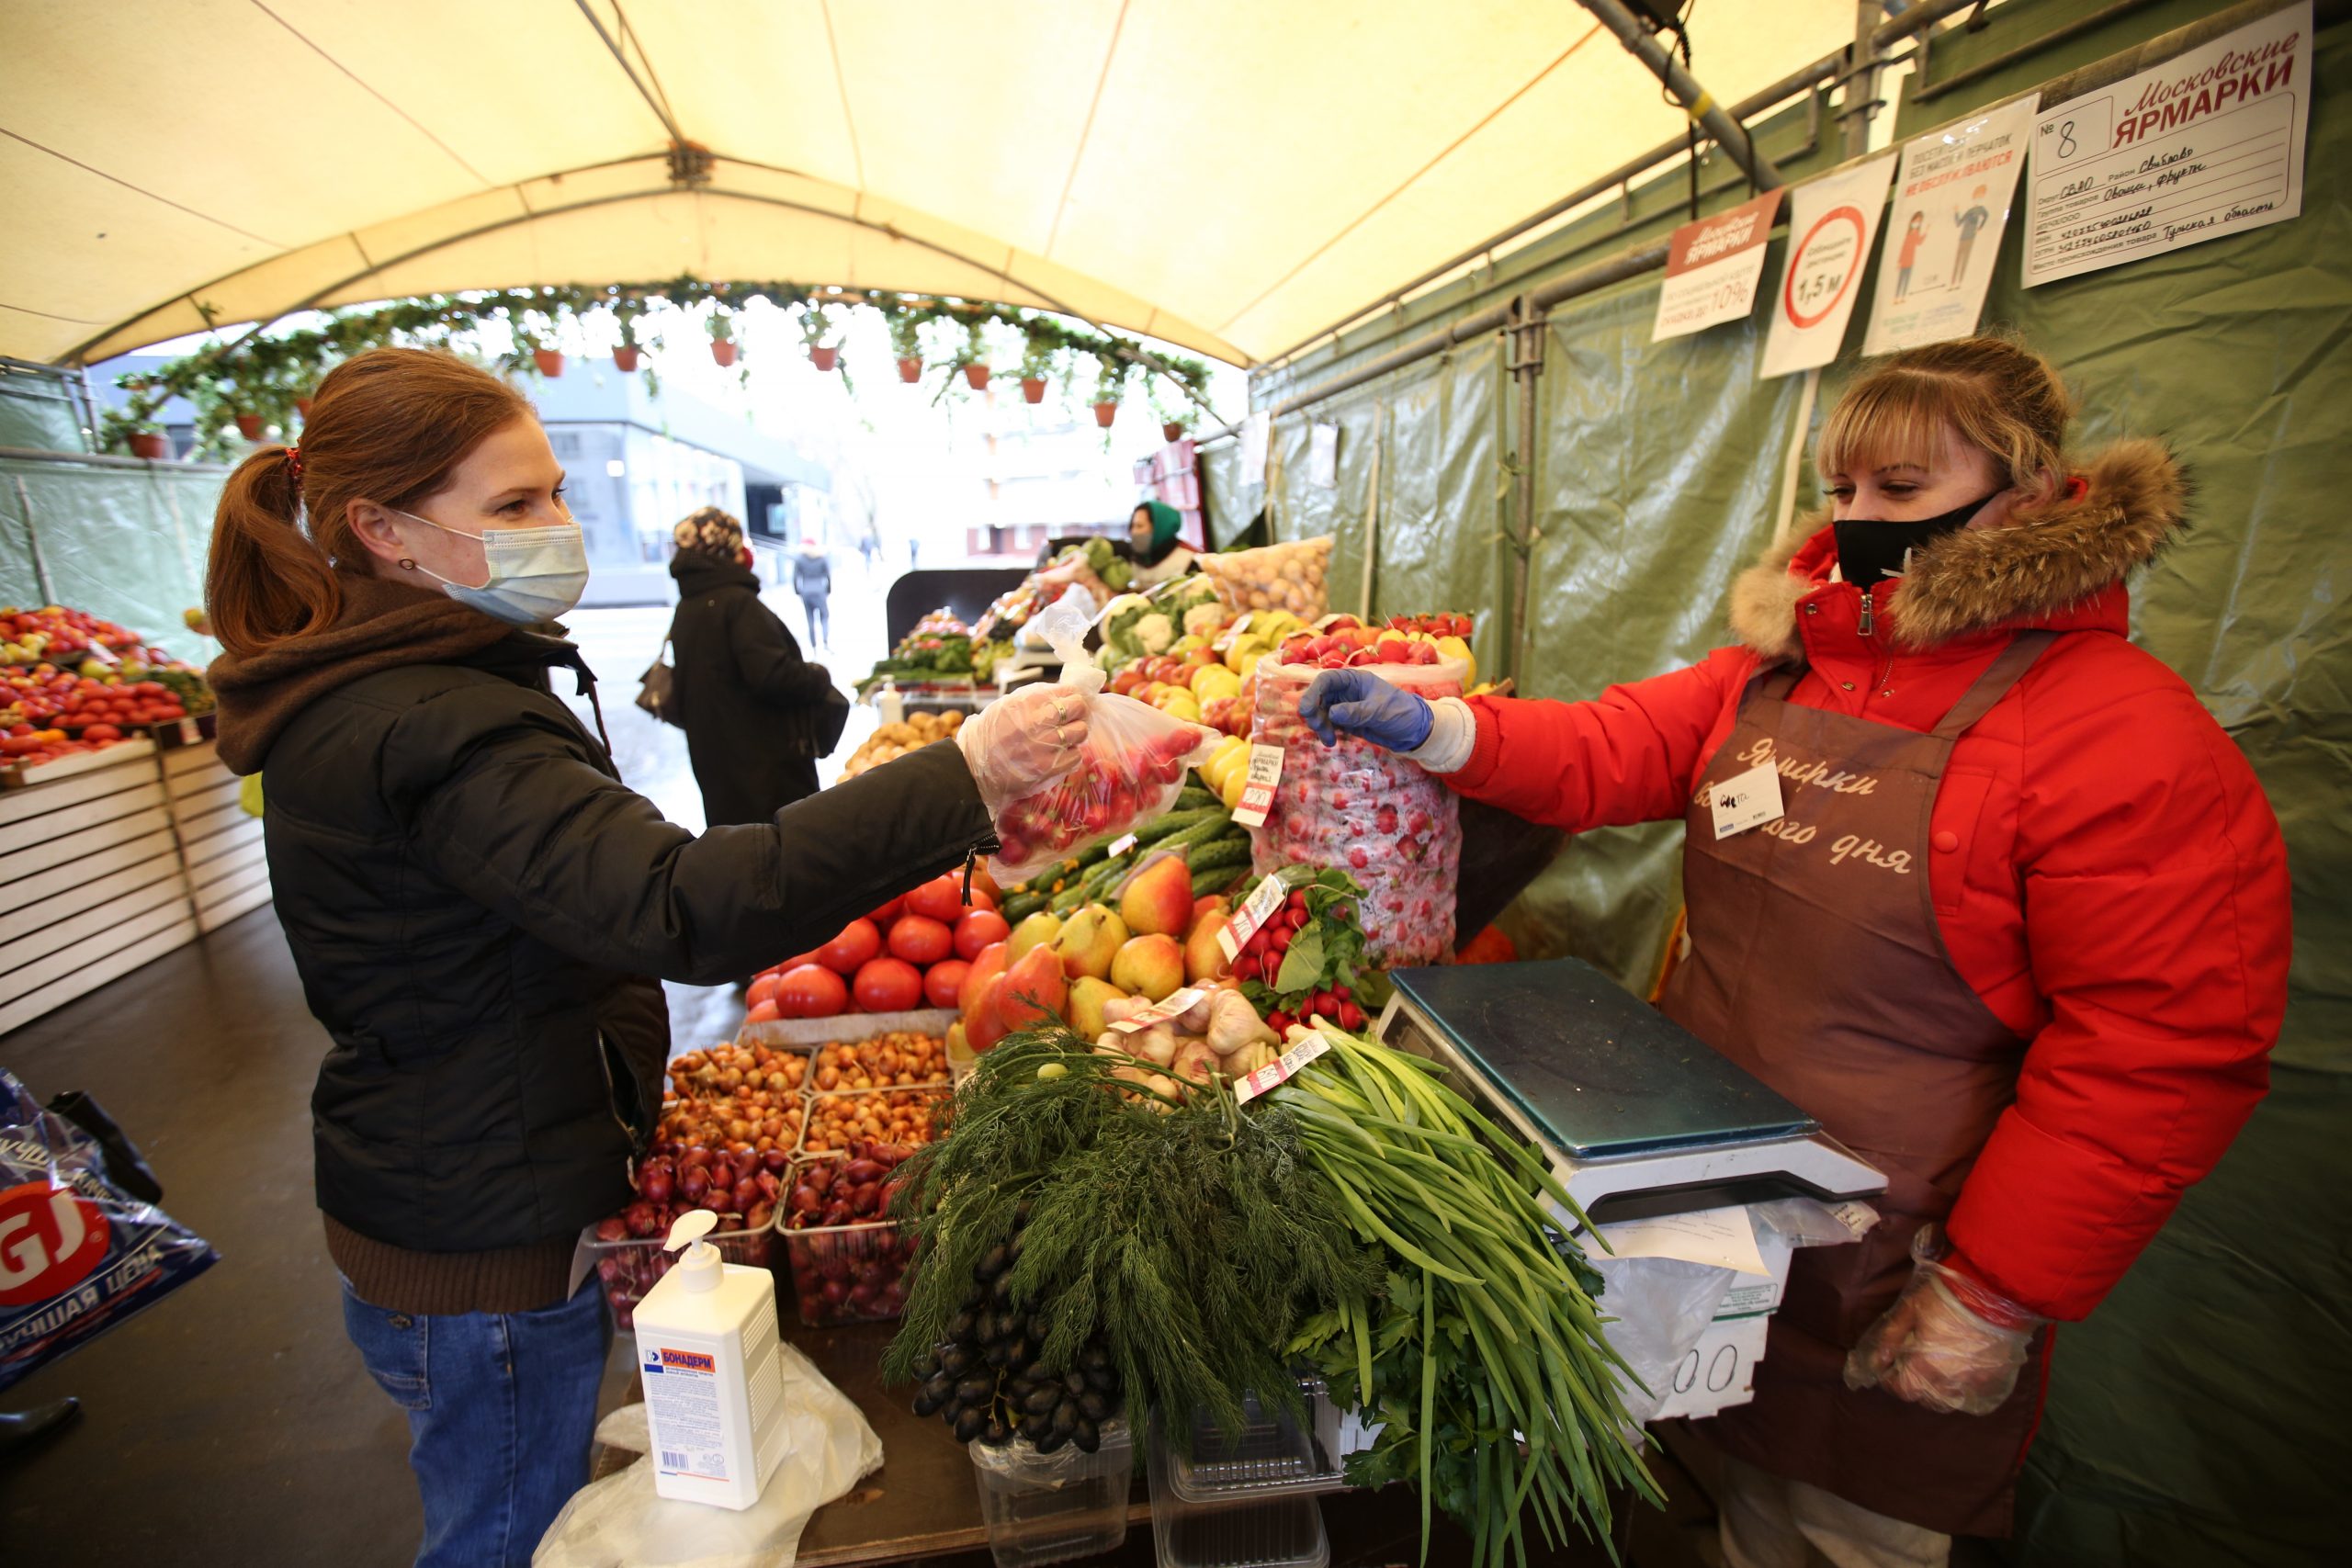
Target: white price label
1255 911
1120 846
1174 1004
189 733
1746 800
1258 792
1282 1070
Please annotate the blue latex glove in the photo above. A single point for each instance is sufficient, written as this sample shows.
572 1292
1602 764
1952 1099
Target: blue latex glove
1360 704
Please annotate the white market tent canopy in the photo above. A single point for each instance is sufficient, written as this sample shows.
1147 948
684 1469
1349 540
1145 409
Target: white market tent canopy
1230 175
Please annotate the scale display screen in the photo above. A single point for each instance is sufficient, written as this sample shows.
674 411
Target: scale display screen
1602 1073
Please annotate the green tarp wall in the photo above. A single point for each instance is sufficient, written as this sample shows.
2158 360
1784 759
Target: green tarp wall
2198 1416
127 544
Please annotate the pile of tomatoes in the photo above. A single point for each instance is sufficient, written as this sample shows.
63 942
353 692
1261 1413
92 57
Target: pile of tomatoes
911 953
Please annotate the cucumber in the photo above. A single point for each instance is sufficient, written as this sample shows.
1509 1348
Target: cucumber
1195 797
1174 822
1018 907
1217 879
1211 825
1069 899
1220 852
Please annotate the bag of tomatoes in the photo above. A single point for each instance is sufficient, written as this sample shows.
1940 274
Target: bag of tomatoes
1132 769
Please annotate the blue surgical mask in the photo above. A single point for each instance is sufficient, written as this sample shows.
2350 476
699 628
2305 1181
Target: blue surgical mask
536 574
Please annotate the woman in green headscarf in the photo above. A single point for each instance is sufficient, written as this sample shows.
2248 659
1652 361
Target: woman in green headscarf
1151 540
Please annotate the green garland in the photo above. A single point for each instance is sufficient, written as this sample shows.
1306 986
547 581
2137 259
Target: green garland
267 374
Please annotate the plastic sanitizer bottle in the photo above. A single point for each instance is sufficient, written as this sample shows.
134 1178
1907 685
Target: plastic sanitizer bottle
714 1375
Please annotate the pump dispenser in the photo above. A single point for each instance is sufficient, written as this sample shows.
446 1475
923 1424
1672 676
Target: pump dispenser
707 1350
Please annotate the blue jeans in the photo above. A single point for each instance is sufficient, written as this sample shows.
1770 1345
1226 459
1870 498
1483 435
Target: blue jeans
501 1415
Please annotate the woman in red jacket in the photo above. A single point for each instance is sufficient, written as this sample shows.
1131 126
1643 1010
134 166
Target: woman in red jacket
2015 929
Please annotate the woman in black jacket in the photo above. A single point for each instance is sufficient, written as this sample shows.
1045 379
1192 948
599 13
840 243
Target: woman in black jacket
748 700
477 907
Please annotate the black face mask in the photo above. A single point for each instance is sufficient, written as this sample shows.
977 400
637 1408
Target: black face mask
1868 550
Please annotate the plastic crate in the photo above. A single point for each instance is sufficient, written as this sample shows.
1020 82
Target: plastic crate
1055 1507
1273 1455
847 1273
932 1095
1280 1531
628 1269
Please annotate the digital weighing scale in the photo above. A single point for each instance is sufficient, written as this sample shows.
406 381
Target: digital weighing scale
1637 1116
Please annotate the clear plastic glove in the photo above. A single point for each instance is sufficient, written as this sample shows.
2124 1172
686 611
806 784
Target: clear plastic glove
1948 1342
1023 742
1357 702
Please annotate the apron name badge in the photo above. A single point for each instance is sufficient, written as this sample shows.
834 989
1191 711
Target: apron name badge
1746 800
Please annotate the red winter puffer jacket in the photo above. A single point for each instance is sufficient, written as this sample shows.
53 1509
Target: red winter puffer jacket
2119 897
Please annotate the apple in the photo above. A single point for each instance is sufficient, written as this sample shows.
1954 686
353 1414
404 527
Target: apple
1090 939
1158 899
1148 966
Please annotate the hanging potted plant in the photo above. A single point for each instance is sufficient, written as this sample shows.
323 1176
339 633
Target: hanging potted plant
250 426
550 361
722 337
1109 381
627 310
1036 364
906 341
974 359
150 443
302 407
814 324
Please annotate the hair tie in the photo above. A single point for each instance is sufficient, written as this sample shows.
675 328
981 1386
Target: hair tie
294 463
2077 487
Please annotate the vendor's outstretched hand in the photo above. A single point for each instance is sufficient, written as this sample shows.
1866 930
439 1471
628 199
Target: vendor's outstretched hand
1022 742
1948 1343
1357 702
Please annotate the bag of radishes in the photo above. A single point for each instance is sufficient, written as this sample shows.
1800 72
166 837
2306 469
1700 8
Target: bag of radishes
1130 771
80 1250
1379 816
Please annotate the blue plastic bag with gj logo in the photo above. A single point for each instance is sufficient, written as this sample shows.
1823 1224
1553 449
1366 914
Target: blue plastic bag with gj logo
83 1246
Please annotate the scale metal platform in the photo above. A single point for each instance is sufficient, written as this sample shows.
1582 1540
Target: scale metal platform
1638 1116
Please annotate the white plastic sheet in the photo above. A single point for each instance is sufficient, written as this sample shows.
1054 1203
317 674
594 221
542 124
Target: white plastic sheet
619 1520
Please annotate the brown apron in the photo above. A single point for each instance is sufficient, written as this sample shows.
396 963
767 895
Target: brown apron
1815 964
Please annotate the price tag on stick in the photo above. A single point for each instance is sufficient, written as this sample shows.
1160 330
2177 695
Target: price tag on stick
1258 792
1255 911
1285 1067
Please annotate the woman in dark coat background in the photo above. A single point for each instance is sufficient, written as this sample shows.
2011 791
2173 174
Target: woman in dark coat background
748 701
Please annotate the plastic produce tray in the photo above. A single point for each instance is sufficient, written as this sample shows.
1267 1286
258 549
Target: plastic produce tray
1273 1456
1282 1532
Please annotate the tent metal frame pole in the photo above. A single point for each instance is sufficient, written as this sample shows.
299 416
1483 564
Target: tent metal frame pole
1920 17
32 542
1863 101
105 460
1696 101
1525 335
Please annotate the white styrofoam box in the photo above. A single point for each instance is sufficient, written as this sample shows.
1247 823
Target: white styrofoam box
1720 1370
846 1026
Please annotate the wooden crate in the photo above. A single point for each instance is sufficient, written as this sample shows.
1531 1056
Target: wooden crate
92 885
221 846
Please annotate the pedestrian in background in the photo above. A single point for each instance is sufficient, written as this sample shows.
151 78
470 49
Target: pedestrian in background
746 697
813 579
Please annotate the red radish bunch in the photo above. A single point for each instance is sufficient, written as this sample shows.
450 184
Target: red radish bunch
1261 960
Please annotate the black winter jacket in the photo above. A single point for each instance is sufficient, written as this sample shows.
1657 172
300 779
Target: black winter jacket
812 576
469 889
747 698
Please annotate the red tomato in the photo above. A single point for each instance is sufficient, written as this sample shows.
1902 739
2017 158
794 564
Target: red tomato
811 990
888 985
102 732
763 990
794 962
919 940
856 946
942 898
765 1012
977 930
888 912
943 980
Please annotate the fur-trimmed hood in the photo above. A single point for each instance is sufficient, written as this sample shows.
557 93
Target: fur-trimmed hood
2042 567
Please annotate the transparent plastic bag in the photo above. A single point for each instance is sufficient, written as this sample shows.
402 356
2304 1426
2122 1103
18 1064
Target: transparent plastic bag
1132 768
83 1253
1372 813
1288 576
